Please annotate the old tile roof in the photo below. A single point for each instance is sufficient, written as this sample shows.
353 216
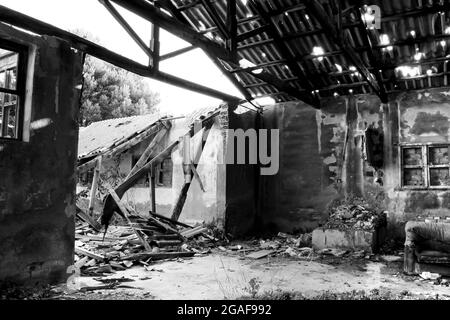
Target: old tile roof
102 135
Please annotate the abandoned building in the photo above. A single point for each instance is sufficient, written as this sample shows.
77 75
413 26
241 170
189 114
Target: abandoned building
358 91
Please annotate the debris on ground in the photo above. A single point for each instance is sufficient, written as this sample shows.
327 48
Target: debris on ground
121 247
355 216
429 276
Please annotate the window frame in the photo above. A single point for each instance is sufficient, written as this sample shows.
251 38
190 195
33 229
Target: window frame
426 165
19 91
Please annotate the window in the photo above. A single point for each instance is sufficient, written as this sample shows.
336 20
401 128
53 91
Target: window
164 173
425 166
12 89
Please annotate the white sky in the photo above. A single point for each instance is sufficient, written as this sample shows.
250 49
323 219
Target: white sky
91 16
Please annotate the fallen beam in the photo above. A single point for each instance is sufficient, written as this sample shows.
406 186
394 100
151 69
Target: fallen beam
157 256
89 254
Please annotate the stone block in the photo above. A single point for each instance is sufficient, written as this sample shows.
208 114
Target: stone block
347 239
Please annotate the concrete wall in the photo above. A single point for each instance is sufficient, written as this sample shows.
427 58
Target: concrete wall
242 181
37 181
313 169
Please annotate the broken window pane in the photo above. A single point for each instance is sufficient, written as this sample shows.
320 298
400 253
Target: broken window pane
439 177
438 155
8 69
412 156
413 177
8 115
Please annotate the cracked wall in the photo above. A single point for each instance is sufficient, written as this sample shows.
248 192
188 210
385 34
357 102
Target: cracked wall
37 185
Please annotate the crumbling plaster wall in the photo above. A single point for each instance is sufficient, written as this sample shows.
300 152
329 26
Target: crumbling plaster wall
415 117
313 170
200 206
38 180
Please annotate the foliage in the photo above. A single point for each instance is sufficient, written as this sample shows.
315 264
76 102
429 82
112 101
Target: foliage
111 92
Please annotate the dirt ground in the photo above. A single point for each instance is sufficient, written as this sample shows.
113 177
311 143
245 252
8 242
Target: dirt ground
223 276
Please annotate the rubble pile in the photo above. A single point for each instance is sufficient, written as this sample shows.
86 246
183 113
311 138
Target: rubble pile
142 241
356 216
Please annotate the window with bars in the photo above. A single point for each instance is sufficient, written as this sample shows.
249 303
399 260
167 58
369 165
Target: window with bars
12 89
425 166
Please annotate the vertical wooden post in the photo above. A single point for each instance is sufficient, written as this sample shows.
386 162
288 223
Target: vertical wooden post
152 188
154 46
94 185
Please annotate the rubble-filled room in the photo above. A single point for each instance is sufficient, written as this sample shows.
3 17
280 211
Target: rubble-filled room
317 170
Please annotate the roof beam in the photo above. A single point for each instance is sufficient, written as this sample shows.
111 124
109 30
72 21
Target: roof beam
374 56
151 13
341 40
116 15
232 26
176 53
28 23
251 33
184 31
215 17
218 63
284 50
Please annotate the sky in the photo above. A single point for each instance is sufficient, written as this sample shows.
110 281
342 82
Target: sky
91 16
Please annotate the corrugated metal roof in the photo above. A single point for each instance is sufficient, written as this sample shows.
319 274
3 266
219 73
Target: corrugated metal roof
333 72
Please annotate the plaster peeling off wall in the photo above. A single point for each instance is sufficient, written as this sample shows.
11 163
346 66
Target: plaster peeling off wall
423 118
37 185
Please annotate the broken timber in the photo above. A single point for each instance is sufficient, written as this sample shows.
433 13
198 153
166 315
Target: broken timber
157 256
94 185
125 213
110 205
150 149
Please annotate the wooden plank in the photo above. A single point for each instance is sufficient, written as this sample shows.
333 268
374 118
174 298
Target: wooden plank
316 10
86 166
80 263
176 53
259 254
125 213
216 19
133 141
164 128
94 185
85 217
193 233
171 220
157 256
152 188
89 254
163 225
194 170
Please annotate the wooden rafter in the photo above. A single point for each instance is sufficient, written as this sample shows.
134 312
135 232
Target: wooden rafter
342 41
231 26
228 57
118 17
223 30
374 57
176 53
28 23
285 52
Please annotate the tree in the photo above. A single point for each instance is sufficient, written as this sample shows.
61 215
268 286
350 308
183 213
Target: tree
111 92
